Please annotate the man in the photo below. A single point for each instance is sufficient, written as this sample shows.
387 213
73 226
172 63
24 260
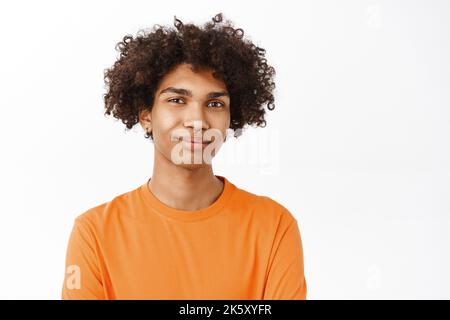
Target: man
187 233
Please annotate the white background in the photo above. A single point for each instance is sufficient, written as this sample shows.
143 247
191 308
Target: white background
360 149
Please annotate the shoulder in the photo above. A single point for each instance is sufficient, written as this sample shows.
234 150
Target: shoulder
266 207
98 216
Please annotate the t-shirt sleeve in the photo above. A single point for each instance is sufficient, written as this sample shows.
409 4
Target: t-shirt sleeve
82 279
286 279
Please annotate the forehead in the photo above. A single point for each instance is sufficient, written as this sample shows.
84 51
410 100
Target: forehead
183 76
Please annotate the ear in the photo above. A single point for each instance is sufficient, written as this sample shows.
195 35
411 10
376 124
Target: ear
145 119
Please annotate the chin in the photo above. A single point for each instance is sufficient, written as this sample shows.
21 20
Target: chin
193 166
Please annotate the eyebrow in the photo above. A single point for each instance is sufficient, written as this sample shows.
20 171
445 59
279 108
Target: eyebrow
188 93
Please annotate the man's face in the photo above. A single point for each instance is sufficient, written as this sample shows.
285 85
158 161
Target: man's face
189 108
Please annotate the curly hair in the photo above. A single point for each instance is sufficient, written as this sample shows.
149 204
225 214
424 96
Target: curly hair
132 81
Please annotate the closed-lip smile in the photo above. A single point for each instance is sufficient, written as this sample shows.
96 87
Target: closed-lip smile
196 141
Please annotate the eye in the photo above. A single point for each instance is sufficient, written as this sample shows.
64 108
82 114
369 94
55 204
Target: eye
221 104
170 100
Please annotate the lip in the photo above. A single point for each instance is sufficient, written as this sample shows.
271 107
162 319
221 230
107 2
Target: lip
195 141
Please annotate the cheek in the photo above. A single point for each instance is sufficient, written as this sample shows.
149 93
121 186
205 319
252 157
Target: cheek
163 125
164 121
220 120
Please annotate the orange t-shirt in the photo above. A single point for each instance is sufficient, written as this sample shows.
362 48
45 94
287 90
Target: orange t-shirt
242 246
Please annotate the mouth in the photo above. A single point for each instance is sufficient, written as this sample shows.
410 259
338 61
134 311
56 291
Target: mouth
188 139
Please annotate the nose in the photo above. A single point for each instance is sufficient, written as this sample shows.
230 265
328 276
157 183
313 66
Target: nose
196 120
198 126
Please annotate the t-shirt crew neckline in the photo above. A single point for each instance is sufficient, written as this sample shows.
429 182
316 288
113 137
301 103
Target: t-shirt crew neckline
185 215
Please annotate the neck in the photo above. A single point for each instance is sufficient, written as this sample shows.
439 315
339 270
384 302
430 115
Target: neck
184 188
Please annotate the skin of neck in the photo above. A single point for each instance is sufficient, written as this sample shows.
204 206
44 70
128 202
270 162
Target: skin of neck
184 188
